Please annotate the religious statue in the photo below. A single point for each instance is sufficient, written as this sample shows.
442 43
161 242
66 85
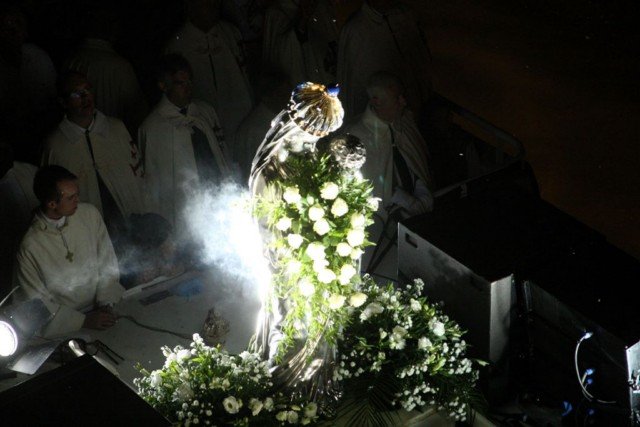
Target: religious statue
317 209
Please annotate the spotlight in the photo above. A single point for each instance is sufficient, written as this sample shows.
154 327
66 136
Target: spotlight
8 339
18 323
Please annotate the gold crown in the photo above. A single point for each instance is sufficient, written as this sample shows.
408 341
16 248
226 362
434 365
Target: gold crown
315 108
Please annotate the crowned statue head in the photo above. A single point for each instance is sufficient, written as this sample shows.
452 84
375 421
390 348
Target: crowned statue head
313 112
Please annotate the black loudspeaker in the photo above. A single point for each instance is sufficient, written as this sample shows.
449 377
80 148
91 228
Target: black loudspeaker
490 255
81 392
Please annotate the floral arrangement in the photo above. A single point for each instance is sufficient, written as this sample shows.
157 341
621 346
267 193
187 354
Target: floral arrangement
204 385
400 351
317 216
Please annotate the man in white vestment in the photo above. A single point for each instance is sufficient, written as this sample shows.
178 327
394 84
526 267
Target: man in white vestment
383 35
113 79
301 38
99 150
182 143
397 163
214 49
17 203
66 258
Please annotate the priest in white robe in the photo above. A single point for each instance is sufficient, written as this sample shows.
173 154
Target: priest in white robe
214 49
100 151
383 35
397 157
182 144
66 258
301 38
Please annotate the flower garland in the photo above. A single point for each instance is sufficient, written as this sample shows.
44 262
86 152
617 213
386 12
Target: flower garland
399 341
317 216
205 385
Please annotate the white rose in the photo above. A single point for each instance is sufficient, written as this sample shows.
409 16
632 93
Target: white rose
329 191
306 288
415 305
356 253
374 203
343 249
371 310
399 331
347 271
357 299
315 251
268 404
231 405
283 224
424 343
336 301
310 200
438 328
255 405
326 276
291 195
357 220
294 240
156 379
183 392
321 227
355 237
319 265
292 417
183 355
339 207
281 416
311 410
316 212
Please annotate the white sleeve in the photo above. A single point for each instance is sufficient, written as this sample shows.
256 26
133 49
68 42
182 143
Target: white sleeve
419 202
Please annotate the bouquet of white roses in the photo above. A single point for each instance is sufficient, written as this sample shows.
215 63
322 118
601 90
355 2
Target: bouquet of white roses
206 385
406 353
317 216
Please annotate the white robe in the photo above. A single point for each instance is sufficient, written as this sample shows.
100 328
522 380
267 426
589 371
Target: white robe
310 59
17 203
375 134
68 287
170 163
219 74
116 157
367 46
114 82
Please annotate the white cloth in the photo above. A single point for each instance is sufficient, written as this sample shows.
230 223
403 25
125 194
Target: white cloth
170 163
116 157
250 134
44 269
219 75
311 57
17 203
369 43
115 85
379 166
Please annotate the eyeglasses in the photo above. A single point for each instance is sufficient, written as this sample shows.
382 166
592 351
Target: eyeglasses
80 93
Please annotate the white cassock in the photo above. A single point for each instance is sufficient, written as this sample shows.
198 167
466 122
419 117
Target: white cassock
170 163
250 134
116 160
114 82
377 136
17 203
308 57
68 284
371 42
219 74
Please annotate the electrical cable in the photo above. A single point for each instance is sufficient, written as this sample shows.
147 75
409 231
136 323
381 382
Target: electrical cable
153 328
581 380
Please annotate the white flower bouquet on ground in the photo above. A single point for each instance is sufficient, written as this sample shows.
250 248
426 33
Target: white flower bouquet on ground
399 351
204 385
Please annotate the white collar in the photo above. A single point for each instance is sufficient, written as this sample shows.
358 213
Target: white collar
73 132
54 223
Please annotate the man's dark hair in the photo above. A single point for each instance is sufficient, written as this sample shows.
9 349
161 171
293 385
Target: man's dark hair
45 183
63 82
384 80
170 64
